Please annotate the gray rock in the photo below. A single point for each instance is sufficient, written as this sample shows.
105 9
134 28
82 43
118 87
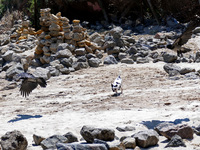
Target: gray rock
109 44
63 53
116 32
81 59
14 140
133 50
114 50
146 138
142 60
169 57
90 133
94 62
99 54
53 71
122 55
71 137
42 72
14 70
172 69
169 130
62 46
8 56
37 139
66 62
78 146
186 70
164 126
90 55
110 59
50 142
64 70
126 128
80 51
176 141
191 76
129 142
79 65
127 61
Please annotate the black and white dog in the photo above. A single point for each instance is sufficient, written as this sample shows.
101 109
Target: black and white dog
117 85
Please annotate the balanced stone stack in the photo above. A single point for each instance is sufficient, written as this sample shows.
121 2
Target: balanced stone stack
67 30
22 31
56 30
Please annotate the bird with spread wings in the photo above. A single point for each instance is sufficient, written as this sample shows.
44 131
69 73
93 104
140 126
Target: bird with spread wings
29 83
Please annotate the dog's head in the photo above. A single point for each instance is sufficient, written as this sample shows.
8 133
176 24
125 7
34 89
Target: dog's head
114 87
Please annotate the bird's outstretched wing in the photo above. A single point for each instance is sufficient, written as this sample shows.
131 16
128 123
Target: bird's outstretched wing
29 83
186 35
27 86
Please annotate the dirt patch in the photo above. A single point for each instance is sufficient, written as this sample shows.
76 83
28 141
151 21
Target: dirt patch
85 97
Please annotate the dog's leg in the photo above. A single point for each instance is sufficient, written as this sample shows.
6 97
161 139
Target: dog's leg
121 90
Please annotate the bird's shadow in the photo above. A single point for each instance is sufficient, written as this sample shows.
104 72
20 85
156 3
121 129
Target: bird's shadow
152 124
23 117
116 94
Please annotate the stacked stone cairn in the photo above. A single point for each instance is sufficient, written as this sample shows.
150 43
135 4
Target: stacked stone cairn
22 31
57 30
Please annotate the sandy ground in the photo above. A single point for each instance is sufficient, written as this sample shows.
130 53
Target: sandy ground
85 98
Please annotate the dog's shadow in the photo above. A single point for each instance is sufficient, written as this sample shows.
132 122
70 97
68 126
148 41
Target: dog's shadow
116 94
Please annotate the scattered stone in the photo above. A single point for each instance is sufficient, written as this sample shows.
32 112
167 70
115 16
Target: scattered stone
186 70
172 69
127 61
116 145
110 59
80 51
37 139
129 142
94 62
146 138
78 146
142 60
176 141
90 133
42 72
63 53
14 70
169 57
71 137
50 142
14 140
126 128
169 130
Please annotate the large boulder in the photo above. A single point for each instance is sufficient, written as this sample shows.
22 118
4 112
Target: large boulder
90 133
172 69
146 138
169 130
50 142
14 140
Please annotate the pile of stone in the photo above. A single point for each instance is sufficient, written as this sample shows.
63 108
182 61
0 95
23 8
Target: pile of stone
105 138
57 30
22 30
